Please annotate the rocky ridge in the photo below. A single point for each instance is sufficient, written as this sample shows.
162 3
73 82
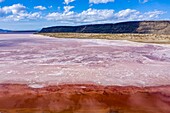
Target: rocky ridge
142 27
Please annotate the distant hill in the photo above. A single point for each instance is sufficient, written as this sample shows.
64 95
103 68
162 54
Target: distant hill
4 31
18 32
25 31
142 27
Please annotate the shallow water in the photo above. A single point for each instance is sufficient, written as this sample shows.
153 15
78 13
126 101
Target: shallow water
38 60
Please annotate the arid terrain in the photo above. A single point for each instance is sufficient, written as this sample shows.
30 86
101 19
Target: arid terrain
145 38
44 74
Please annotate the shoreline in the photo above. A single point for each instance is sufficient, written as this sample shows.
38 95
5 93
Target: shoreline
142 38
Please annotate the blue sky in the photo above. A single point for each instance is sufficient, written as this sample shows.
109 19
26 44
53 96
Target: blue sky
35 14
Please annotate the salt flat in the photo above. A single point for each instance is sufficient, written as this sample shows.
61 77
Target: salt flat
39 60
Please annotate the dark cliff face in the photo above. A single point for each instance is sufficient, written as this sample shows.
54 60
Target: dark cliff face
148 27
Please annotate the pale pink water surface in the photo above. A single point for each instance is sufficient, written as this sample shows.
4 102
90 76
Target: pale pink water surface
39 60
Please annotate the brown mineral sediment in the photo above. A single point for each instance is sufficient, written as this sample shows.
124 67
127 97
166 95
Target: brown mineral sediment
84 98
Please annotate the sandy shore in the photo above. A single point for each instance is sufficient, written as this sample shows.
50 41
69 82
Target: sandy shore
144 38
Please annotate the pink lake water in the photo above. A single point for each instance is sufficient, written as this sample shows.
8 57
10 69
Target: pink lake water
39 61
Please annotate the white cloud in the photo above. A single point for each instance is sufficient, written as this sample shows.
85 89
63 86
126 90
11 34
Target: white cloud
50 6
68 8
143 1
100 1
59 8
40 7
87 16
128 13
91 16
94 15
23 16
152 14
62 17
17 12
68 1
1 1
14 9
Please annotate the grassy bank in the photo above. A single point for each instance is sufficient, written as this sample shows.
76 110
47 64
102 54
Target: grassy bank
145 38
